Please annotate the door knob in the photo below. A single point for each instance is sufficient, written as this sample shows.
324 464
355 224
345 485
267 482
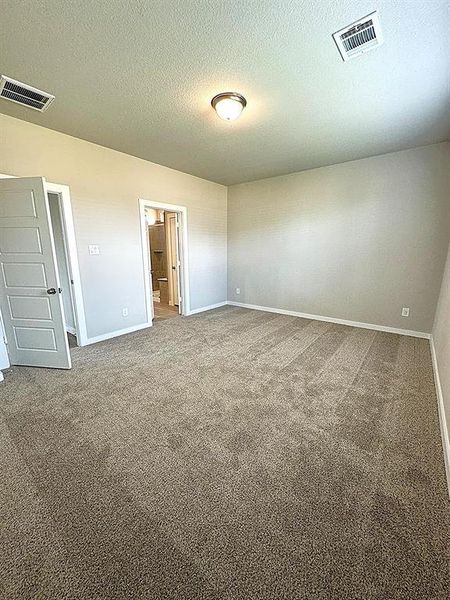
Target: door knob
51 291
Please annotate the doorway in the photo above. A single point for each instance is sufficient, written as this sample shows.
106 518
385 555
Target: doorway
40 288
63 266
62 226
164 246
163 262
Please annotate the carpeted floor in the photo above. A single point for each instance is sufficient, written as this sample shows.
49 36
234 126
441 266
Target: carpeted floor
230 455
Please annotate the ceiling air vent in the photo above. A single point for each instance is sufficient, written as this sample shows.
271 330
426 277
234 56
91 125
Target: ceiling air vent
359 37
24 94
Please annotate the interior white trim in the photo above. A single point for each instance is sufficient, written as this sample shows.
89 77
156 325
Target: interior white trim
184 258
292 313
205 308
441 412
117 333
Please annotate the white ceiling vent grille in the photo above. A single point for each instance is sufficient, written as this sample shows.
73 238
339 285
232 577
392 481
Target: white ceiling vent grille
24 94
359 37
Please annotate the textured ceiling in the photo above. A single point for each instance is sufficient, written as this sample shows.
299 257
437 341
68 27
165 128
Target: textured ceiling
137 76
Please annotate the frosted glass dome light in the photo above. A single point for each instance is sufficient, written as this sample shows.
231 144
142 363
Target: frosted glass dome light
229 105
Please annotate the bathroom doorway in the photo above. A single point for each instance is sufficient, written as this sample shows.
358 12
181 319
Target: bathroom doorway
164 259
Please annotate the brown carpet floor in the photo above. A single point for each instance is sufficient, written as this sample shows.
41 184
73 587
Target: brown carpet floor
230 455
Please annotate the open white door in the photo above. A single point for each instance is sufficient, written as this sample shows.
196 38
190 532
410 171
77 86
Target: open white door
30 298
150 270
173 261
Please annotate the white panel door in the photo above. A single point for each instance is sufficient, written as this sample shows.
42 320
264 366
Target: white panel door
173 262
30 295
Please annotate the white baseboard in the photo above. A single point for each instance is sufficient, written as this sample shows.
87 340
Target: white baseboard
205 308
292 313
71 330
113 334
441 411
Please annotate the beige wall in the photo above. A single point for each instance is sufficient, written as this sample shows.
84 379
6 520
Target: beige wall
441 340
353 241
105 187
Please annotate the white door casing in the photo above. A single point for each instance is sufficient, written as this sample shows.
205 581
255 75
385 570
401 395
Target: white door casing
30 301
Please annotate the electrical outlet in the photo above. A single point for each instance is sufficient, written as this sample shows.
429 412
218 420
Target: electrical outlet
238 291
405 311
125 312
93 249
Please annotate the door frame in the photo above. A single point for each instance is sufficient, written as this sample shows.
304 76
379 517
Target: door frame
68 229
183 257
65 206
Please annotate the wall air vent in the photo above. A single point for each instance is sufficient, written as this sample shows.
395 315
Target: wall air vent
24 94
359 37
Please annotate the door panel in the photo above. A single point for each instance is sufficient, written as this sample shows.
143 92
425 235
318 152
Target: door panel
20 240
20 203
34 338
24 275
29 300
28 307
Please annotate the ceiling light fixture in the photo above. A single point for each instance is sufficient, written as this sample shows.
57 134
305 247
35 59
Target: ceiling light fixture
229 105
